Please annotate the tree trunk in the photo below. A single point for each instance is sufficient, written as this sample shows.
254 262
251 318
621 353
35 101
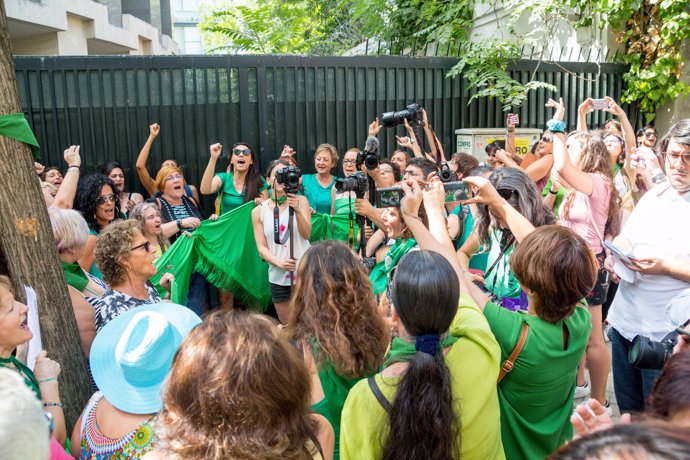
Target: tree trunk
28 247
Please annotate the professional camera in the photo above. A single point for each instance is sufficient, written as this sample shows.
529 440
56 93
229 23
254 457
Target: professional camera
412 114
368 159
356 182
369 263
289 177
646 353
446 174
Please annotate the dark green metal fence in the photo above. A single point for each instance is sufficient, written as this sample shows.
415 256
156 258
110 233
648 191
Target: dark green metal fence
106 104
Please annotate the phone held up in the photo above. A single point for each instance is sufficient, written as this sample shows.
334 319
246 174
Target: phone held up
599 104
390 197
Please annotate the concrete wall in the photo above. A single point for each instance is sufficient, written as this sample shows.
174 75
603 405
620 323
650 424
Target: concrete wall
81 27
674 111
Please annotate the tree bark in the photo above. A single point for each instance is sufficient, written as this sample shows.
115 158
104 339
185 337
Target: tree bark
29 251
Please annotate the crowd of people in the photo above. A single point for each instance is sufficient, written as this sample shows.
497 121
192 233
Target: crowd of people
434 326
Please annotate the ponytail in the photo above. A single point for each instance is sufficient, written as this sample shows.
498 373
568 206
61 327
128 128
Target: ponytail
422 420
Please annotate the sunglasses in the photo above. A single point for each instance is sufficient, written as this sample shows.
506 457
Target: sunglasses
244 152
505 193
547 139
146 246
650 134
389 287
106 199
672 157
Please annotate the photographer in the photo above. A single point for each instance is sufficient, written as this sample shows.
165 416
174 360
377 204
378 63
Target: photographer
656 234
292 234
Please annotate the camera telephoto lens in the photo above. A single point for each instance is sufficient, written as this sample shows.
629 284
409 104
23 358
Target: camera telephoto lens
646 353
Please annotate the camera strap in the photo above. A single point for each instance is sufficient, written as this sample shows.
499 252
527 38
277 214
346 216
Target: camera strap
351 232
276 226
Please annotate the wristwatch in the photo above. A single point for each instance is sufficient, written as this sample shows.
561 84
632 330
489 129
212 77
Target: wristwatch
179 224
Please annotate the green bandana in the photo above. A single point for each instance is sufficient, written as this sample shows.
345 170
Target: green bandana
402 351
75 276
379 275
16 127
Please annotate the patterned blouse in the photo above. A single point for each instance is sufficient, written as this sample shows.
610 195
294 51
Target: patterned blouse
96 446
113 303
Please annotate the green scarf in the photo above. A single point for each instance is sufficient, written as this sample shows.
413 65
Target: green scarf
379 275
24 372
75 276
224 252
402 351
15 126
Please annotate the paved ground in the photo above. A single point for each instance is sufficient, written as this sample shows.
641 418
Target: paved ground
609 392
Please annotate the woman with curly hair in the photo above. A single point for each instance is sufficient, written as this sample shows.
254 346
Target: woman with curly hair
237 389
591 209
334 319
126 259
96 200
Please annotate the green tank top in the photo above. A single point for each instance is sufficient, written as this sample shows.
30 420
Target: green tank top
319 197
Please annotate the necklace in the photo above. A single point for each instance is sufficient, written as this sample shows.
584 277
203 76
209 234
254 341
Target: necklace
280 200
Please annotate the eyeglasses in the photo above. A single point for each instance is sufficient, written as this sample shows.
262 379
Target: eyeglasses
386 171
106 199
672 157
146 246
173 177
547 139
650 134
244 152
349 162
505 193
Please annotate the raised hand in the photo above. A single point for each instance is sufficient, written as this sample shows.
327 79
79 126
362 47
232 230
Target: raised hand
72 157
154 129
374 128
559 114
216 149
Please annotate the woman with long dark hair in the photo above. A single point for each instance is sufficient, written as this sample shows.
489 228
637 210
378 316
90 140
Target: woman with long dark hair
97 201
242 182
334 319
436 396
127 200
493 235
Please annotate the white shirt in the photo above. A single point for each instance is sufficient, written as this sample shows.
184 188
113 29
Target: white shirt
277 275
658 227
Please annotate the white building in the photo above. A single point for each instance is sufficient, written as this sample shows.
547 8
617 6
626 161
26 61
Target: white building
86 27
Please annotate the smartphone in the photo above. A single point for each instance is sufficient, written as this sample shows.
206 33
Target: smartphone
622 255
457 191
513 119
599 104
389 197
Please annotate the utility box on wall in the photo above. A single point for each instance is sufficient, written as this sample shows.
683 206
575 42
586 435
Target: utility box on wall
474 140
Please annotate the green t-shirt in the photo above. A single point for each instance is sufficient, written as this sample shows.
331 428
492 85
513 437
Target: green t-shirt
319 197
477 261
537 396
335 389
473 364
230 198
501 280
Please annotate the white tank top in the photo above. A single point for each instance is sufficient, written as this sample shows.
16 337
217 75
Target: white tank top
277 275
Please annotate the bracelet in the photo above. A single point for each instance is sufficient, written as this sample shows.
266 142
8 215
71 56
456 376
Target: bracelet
78 168
411 215
552 192
658 178
412 141
52 404
51 379
179 224
555 126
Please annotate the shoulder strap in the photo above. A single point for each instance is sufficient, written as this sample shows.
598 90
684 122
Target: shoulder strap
507 365
509 243
379 396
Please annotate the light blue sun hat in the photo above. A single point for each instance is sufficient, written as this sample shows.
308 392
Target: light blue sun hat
131 356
